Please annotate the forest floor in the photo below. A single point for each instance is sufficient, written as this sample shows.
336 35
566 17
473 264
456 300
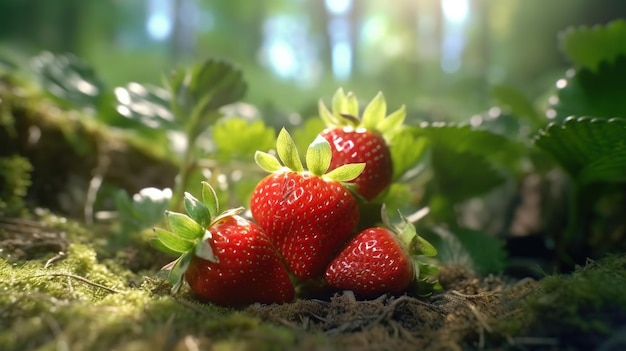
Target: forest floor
62 289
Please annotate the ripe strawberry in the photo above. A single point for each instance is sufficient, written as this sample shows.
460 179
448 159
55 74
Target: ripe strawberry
307 214
382 260
224 258
366 140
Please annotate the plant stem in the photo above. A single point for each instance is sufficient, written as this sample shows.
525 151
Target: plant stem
571 238
182 179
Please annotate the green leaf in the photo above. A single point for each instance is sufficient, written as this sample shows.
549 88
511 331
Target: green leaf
197 210
209 198
406 151
306 132
462 175
204 249
146 104
69 79
172 241
587 93
587 47
157 244
328 117
590 149
346 173
374 112
351 105
392 124
318 156
267 162
287 151
144 210
518 104
178 271
496 148
184 226
237 139
423 247
338 102
200 90
477 250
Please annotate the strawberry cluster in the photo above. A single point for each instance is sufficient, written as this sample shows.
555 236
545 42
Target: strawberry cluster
305 220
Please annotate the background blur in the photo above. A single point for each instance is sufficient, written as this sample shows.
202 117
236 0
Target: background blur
439 57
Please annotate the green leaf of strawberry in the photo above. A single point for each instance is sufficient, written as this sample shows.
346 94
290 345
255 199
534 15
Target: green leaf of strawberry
308 214
225 258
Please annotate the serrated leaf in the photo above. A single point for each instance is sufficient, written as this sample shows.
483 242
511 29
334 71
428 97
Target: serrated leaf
318 156
267 162
183 226
172 241
209 198
590 149
584 92
587 46
69 79
463 138
197 210
178 271
374 112
346 173
474 249
462 175
146 104
517 103
237 139
157 244
287 151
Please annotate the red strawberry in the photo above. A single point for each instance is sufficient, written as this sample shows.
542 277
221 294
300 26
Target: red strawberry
232 263
307 214
381 260
367 140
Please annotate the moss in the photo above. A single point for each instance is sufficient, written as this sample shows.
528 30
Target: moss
82 302
580 308
14 182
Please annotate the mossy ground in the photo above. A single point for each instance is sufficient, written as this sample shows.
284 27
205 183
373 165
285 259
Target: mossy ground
88 299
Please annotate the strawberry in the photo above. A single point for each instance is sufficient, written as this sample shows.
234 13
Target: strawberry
224 258
355 140
382 260
308 214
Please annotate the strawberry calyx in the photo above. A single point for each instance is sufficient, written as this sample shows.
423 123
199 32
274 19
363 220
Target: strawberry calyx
344 113
420 251
189 233
317 157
